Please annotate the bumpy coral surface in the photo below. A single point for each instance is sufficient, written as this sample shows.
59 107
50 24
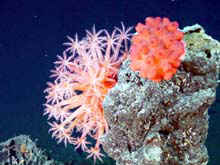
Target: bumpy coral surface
157 49
84 75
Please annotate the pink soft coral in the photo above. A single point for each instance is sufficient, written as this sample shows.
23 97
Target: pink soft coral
157 49
84 75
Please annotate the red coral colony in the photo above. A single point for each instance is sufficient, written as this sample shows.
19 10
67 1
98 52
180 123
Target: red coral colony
157 49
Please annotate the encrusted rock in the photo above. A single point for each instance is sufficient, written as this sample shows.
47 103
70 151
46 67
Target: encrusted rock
21 150
164 123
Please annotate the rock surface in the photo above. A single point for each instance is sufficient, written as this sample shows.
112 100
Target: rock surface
21 150
164 123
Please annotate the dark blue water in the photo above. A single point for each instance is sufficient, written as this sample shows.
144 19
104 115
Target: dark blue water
32 33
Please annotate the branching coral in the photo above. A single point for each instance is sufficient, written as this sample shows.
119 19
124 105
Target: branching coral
157 49
83 76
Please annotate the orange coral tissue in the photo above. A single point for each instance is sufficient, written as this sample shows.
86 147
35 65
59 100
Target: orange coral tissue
157 49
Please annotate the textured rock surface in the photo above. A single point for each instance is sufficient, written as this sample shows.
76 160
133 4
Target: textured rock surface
167 122
21 150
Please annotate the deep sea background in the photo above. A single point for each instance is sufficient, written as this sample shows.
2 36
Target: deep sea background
31 35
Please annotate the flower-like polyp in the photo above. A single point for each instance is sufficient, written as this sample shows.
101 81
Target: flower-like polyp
157 49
